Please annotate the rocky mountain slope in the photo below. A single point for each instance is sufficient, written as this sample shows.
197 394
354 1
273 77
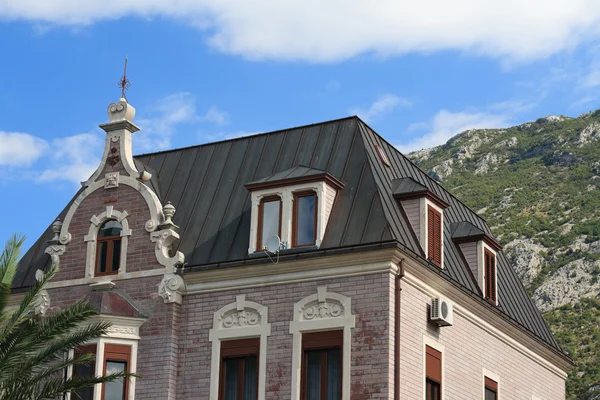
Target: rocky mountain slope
538 186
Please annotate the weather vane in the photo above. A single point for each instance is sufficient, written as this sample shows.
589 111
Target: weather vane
124 83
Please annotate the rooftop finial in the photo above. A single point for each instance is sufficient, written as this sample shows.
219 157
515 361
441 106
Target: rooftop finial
124 83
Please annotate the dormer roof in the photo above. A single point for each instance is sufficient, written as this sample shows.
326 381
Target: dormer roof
292 176
408 188
464 231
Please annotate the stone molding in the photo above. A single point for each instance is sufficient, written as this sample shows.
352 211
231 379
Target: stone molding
171 287
323 311
91 239
239 320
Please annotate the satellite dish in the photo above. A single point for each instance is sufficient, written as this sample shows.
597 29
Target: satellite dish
273 244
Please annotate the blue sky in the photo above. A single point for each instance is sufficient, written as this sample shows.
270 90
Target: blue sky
207 70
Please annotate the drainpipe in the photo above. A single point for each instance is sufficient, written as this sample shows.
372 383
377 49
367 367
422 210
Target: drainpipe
398 290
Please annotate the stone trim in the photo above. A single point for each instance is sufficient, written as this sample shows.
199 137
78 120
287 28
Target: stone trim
104 278
239 320
92 239
323 311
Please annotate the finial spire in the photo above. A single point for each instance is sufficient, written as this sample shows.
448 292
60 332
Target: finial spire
124 83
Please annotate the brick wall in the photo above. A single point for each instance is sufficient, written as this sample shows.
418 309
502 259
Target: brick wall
140 251
372 346
468 349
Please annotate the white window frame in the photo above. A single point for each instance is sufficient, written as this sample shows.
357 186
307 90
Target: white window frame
241 319
323 311
428 341
286 193
493 376
92 239
481 248
124 331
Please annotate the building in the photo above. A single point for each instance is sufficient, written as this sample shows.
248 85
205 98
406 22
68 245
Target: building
310 263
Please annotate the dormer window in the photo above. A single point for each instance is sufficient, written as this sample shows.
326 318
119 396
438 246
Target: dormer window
108 255
424 211
294 205
479 252
305 219
269 220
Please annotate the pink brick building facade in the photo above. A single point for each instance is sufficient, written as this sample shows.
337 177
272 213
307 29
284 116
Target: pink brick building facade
189 278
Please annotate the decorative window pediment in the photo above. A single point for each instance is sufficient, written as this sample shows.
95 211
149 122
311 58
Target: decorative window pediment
293 205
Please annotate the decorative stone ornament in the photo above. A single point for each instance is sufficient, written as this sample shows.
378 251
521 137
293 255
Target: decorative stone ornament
111 180
170 288
120 111
42 303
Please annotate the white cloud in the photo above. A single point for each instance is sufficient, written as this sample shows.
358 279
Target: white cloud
20 149
171 111
334 30
74 158
446 124
383 105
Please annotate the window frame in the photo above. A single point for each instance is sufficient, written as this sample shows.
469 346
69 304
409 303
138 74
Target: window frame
435 250
267 199
238 348
117 352
490 276
297 196
110 241
321 341
432 351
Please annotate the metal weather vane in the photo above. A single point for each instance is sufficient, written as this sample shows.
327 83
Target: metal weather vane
124 83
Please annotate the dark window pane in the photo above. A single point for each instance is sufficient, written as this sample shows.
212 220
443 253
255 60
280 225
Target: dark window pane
490 394
230 382
334 375
101 267
116 256
84 370
305 220
115 390
432 390
313 375
270 222
250 378
110 228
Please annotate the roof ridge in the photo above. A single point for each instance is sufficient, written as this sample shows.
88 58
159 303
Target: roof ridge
282 130
425 173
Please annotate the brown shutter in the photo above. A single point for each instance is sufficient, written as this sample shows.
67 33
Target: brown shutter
491 384
490 276
433 364
434 236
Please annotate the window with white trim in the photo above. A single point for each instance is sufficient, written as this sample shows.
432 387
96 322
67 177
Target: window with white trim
322 333
239 351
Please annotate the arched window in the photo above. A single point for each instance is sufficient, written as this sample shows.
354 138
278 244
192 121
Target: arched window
108 252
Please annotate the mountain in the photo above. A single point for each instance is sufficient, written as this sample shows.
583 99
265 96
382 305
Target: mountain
538 186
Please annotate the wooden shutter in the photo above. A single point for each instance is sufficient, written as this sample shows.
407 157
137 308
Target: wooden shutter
434 236
433 364
491 384
490 276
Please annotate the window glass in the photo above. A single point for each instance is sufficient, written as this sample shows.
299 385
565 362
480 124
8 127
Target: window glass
240 378
305 220
116 255
110 228
322 366
490 394
84 371
102 253
270 221
432 390
313 375
115 390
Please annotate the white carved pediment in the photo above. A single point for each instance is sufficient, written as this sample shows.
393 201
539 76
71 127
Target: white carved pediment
325 309
236 319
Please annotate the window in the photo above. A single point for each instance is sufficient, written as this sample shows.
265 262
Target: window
434 236
490 276
491 389
269 220
239 369
433 374
322 365
116 359
305 219
108 250
84 371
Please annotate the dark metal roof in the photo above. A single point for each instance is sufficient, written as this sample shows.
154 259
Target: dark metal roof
465 230
206 185
406 186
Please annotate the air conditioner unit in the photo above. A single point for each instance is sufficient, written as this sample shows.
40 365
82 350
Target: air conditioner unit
441 312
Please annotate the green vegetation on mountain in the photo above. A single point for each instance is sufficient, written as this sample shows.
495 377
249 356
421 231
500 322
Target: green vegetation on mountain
538 186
